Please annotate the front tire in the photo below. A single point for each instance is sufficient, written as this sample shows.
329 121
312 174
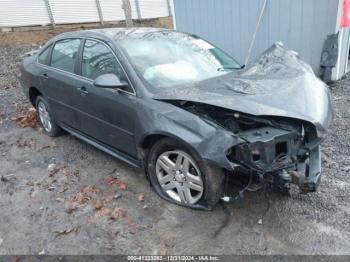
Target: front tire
180 176
46 118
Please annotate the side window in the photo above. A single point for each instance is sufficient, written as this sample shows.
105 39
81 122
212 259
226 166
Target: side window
43 57
64 54
98 60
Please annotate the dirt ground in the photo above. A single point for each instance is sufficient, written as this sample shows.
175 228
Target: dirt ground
63 196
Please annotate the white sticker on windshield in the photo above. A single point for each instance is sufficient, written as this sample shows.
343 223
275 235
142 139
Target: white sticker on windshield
202 44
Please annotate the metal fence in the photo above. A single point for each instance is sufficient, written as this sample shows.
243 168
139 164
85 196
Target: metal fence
14 13
302 25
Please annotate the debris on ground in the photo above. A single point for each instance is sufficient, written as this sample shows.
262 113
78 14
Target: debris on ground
52 145
51 188
61 169
121 185
70 209
27 119
116 196
111 180
31 143
112 232
117 213
131 224
98 205
66 231
86 194
53 169
103 212
141 197
6 178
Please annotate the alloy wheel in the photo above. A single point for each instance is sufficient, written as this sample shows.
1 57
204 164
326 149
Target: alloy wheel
44 116
179 177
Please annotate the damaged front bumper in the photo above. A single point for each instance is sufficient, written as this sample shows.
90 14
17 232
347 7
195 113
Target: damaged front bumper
279 156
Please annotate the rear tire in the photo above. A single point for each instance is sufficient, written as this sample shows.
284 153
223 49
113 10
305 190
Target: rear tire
200 187
46 119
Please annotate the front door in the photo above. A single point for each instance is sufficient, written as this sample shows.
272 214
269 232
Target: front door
106 114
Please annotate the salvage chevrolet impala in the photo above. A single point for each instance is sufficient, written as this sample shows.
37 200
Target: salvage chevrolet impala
182 109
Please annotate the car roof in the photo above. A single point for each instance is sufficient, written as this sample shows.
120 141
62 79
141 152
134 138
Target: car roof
116 33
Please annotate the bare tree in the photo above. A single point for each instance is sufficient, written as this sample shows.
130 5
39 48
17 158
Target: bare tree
127 11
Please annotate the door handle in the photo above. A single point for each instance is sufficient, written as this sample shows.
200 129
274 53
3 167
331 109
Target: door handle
82 90
45 76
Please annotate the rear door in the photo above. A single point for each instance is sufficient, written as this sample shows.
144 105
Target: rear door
59 81
106 114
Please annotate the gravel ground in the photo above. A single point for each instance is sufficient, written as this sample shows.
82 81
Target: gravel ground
62 196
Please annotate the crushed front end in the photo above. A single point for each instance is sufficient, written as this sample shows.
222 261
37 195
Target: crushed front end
280 155
282 151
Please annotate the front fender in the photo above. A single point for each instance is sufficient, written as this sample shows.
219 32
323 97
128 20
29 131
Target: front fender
210 141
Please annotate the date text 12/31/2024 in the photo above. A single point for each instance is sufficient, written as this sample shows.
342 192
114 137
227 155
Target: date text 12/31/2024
173 258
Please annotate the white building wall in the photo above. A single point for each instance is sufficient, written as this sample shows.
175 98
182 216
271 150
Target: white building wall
23 13
74 11
153 8
34 12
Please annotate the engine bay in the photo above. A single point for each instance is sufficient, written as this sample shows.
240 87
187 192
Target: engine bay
274 149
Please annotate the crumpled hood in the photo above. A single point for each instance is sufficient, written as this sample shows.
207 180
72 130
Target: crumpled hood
278 83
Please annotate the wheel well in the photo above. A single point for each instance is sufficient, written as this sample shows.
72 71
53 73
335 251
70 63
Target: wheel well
150 140
33 94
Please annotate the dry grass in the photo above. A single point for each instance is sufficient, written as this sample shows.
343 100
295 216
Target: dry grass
37 36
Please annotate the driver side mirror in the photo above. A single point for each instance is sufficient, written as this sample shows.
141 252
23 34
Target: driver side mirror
110 81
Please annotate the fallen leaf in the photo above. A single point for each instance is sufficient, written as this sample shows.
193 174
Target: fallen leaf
103 212
81 198
63 189
109 198
110 180
54 169
66 231
70 209
112 232
53 145
27 119
30 183
141 197
131 224
76 172
65 172
98 205
20 143
91 189
117 213
121 185
85 194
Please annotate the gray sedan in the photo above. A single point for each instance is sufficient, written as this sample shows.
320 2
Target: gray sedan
183 110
